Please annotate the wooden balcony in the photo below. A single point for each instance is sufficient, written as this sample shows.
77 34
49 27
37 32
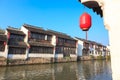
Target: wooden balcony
38 40
44 44
17 44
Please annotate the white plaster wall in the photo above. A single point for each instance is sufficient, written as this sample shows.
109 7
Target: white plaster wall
58 55
111 16
26 40
5 52
73 55
40 55
27 53
16 56
2 53
26 33
80 47
54 40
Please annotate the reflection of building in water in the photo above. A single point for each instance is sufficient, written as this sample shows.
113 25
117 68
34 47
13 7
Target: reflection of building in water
31 72
94 70
2 73
86 70
68 72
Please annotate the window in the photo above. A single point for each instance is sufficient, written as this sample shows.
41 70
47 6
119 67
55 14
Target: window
49 37
2 46
16 37
73 50
60 40
59 49
36 49
14 50
38 36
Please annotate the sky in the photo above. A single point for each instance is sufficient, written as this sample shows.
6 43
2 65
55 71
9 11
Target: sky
59 15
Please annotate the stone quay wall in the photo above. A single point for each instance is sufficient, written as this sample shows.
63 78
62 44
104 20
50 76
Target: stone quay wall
11 62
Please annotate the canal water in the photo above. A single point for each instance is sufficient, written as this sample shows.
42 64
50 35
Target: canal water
84 70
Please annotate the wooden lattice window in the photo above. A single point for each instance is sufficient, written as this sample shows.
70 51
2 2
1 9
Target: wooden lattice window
38 49
15 37
15 50
59 49
38 36
49 37
2 46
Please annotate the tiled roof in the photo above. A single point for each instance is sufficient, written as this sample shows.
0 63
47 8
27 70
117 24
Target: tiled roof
35 29
59 34
89 41
15 31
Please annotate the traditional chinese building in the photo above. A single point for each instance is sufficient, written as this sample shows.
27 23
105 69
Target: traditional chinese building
3 44
32 45
17 48
87 48
39 41
66 46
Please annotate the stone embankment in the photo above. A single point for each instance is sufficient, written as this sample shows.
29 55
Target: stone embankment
9 62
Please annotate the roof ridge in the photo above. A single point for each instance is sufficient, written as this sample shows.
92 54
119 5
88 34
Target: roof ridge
13 28
89 41
59 32
32 26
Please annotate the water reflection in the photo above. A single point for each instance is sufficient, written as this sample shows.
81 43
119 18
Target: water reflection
86 70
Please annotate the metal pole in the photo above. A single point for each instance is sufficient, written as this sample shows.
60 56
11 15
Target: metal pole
86 35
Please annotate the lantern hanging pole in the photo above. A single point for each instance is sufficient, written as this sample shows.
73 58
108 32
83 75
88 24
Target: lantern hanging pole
86 35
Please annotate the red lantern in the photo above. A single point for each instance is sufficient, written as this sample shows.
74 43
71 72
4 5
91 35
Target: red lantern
85 21
8 35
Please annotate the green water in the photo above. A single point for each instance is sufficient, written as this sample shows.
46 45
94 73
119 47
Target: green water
85 70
